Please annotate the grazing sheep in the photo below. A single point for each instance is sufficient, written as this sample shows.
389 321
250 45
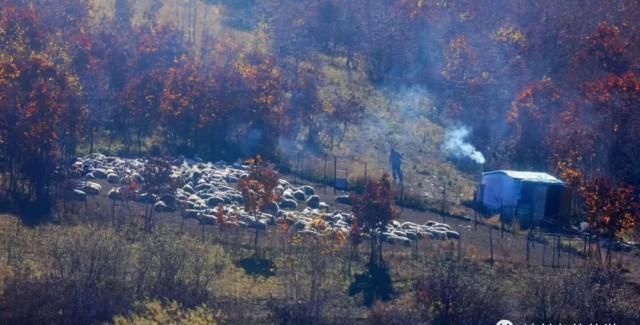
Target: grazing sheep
343 199
214 201
113 178
313 201
393 239
308 232
187 188
288 194
208 219
191 214
288 204
114 193
283 183
441 225
78 195
160 206
100 173
438 234
184 204
308 190
259 225
272 209
299 195
408 225
92 188
452 234
399 233
413 235
584 226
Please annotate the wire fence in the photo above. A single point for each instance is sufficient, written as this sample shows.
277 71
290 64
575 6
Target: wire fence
533 248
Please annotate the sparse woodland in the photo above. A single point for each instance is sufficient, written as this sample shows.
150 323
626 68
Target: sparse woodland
541 85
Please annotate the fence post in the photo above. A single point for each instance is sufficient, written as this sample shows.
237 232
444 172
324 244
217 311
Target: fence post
459 247
324 177
444 198
558 248
365 174
302 166
544 250
491 244
569 255
553 251
335 174
528 239
475 209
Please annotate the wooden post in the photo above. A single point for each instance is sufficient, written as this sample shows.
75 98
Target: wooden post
444 198
528 249
335 173
459 247
491 244
365 174
324 177
544 251
415 252
553 252
475 209
558 248
501 218
301 165
569 256
202 223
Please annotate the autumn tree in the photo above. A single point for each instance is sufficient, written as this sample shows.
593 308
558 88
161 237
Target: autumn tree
373 210
532 114
186 105
611 208
40 107
157 181
152 54
258 190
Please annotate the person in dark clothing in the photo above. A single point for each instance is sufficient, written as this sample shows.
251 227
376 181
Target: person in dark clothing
395 158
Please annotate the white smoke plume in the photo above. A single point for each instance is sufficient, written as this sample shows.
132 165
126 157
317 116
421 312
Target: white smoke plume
455 145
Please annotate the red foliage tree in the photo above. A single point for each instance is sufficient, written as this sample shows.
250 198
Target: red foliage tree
372 211
41 113
611 208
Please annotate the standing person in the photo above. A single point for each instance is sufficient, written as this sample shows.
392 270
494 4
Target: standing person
395 158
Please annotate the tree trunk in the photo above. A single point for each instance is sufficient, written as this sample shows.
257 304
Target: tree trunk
255 243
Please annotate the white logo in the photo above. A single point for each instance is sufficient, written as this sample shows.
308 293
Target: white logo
504 322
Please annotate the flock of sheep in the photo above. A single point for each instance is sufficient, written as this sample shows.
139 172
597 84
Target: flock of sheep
204 188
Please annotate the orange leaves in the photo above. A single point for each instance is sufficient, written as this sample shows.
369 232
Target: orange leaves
607 44
623 89
511 35
611 208
374 209
257 188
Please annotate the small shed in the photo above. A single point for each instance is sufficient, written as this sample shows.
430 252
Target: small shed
533 195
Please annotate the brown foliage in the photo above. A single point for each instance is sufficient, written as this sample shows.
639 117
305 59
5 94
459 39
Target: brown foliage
257 188
611 208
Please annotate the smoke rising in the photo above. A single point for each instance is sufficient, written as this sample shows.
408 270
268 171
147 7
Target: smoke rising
455 145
